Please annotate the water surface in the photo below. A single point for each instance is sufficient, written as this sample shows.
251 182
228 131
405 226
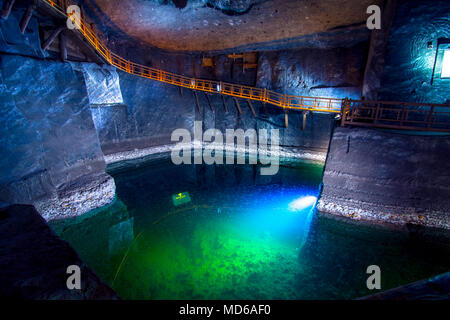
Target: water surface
241 236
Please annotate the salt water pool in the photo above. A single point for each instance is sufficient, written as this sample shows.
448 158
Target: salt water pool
226 232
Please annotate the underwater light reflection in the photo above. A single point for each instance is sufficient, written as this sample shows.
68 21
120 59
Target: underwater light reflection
272 216
302 203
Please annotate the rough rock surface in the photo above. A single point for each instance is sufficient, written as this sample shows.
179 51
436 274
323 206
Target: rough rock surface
12 41
314 72
222 25
377 52
435 288
120 159
411 53
388 177
102 83
152 111
149 114
50 149
34 261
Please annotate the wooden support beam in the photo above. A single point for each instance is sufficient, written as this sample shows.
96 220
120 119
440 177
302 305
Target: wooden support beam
181 91
92 27
52 38
236 56
91 51
304 121
196 99
286 120
209 102
27 16
224 103
63 46
63 4
94 31
251 108
265 108
238 107
7 7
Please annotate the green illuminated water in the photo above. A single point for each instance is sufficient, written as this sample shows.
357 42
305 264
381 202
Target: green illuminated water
239 237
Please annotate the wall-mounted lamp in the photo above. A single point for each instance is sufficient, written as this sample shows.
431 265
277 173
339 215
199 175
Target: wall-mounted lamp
445 70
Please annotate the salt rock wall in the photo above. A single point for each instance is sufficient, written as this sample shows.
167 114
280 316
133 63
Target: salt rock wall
388 177
330 64
12 41
34 261
314 72
149 113
50 154
411 53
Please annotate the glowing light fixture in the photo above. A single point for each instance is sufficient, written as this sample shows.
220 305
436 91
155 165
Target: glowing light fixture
181 198
445 73
302 203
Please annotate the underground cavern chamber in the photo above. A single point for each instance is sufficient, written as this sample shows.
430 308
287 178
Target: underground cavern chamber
208 149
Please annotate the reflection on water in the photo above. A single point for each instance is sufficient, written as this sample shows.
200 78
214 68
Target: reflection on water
121 235
239 235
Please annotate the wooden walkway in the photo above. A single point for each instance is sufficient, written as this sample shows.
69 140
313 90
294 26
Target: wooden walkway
381 114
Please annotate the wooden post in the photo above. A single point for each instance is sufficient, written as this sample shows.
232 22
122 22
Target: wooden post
403 114
27 16
82 24
63 46
209 102
344 108
52 38
377 113
94 34
93 53
7 6
196 99
181 91
251 108
224 103
352 109
286 121
304 121
430 117
238 107
63 5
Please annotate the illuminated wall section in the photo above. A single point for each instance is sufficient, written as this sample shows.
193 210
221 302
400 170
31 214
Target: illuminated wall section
418 45
445 68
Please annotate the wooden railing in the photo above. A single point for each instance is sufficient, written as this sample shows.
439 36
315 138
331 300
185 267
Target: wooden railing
396 115
382 114
284 101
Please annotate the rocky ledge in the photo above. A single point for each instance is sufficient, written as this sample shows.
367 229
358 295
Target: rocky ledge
435 288
34 261
387 177
85 194
283 152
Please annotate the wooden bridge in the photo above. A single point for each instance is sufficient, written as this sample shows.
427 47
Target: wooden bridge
382 114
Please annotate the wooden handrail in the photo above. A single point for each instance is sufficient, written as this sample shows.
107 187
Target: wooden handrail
375 110
331 105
